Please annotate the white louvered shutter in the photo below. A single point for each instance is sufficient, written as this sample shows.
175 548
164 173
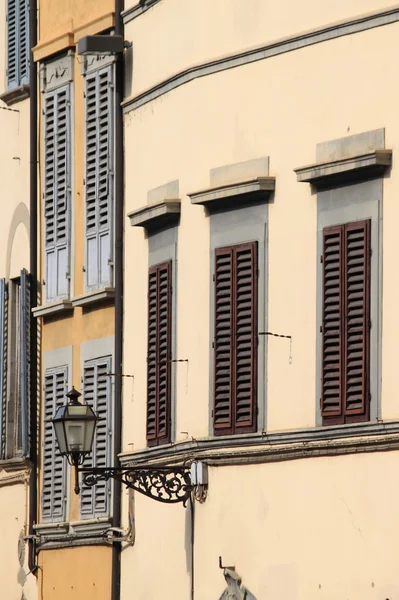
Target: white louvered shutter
99 180
17 43
57 188
3 361
54 490
94 501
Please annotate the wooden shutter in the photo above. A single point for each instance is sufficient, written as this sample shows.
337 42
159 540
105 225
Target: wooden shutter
346 323
57 188
159 354
94 501
24 371
99 108
17 43
235 342
3 362
54 489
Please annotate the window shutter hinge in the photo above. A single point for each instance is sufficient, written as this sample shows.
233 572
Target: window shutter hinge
321 259
370 324
213 345
83 269
371 252
212 413
320 402
321 328
214 278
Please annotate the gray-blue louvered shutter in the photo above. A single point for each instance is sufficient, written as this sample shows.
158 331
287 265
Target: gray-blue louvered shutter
99 115
24 354
94 501
3 361
18 49
54 484
57 191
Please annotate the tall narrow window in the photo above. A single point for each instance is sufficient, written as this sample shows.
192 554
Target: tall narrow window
346 323
99 105
159 354
54 487
57 191
235 341
17 43
95 501
14 369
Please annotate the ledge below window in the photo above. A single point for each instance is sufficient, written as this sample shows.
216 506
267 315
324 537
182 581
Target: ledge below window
75 533
235 193
346 170
156 215
93 298
14 95
53 310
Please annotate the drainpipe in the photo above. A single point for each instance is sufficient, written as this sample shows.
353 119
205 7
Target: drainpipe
33 286
118 261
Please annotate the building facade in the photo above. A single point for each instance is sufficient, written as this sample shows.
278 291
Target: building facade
15 442
76 273
260 296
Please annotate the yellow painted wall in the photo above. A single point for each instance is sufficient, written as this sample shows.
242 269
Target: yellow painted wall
58 17
76 573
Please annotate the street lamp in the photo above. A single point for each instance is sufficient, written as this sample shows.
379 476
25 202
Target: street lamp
74 425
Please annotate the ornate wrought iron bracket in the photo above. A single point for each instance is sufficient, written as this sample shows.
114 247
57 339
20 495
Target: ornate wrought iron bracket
165 484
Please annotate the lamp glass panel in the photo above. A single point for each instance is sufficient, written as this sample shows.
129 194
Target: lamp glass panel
60 435
89 435
75 435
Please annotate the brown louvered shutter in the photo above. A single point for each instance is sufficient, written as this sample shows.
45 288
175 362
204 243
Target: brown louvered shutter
235 343
346 323
159 354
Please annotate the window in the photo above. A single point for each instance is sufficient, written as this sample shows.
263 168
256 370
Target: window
159 354
54 484
17 43
57 191
235 339
95 501
14 369
99 177
346 261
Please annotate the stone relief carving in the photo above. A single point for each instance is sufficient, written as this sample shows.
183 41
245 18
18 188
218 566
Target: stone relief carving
234 590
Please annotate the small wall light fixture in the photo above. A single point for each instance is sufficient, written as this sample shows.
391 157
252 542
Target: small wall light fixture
74 425
104 45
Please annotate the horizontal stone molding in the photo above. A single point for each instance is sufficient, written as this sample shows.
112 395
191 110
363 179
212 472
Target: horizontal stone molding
55 309
156 215
272 447
232 193
288 44
346 170
14 95
93 298
135 11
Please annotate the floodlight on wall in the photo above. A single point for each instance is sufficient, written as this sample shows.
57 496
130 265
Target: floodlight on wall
100 45
74 426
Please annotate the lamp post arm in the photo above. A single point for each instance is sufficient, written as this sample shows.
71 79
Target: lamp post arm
164 484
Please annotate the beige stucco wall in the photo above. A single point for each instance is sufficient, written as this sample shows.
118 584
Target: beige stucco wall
176 34
322 528
238 115
14 569
313 528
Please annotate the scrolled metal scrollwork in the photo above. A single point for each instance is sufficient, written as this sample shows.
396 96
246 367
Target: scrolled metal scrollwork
164 484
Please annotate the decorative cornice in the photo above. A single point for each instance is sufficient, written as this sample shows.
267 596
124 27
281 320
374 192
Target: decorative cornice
234 192
12 478
272 447
154 216
288 44
51 47
346 170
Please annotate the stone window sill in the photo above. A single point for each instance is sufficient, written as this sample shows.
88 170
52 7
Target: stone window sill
14 95
54 309
92 298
